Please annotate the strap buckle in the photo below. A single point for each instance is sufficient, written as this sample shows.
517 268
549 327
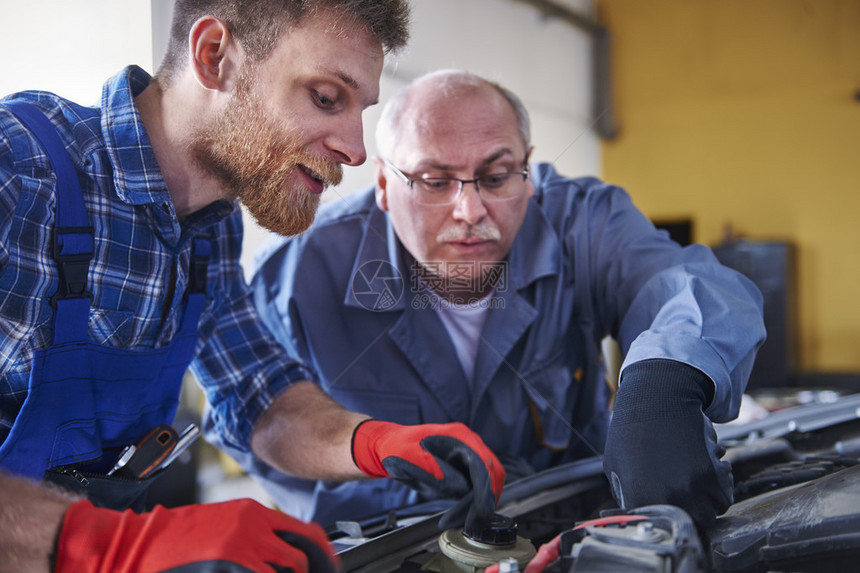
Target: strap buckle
73 267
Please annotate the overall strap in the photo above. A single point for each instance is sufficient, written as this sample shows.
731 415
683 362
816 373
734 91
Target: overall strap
73 240
195 295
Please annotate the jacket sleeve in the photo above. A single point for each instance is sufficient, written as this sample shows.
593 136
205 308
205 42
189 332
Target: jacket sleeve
660 300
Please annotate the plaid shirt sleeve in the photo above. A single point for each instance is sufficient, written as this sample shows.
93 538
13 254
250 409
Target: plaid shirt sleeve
239 364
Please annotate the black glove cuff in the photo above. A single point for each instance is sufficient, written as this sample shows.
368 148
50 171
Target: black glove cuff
352 440
661 387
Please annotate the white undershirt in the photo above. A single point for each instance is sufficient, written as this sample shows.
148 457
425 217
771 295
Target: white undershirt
464 323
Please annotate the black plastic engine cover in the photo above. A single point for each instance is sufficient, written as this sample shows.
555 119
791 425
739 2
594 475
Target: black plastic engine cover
813 526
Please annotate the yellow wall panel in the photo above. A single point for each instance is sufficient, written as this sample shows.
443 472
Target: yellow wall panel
743 113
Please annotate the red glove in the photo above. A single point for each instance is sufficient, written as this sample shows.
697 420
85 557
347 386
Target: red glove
238 533
447 460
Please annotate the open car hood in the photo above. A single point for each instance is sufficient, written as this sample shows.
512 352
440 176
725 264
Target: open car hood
797 508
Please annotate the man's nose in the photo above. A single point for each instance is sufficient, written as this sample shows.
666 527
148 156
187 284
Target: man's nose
347 143
469 207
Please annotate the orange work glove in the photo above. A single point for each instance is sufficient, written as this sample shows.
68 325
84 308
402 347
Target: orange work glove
442 460
197 537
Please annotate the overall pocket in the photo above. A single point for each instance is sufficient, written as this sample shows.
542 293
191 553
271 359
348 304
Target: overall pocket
110 492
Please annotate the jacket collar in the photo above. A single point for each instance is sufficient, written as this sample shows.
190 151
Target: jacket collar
380 277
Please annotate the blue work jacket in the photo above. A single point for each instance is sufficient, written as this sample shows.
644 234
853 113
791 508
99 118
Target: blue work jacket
585 264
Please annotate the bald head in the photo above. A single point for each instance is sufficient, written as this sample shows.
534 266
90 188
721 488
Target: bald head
426 104
453 125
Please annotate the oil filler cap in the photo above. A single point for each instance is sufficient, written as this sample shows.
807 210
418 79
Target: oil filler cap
502 530
461 550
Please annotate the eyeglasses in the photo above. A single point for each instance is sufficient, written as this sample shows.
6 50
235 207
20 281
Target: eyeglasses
446 190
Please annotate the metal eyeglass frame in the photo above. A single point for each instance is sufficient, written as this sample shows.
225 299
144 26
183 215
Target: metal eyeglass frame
411 182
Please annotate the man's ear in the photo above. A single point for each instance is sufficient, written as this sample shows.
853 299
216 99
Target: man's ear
530 185
381 184
213 52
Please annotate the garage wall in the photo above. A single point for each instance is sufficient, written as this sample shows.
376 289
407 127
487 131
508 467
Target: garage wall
61 47
746 115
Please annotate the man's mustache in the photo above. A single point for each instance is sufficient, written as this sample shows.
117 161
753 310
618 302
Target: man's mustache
328 171
482 231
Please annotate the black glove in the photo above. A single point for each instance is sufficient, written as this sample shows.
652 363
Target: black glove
661 448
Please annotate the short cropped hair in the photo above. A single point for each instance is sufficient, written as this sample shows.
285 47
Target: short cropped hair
259 24
445 81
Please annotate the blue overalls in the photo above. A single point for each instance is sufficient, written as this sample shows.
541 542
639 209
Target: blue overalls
86 401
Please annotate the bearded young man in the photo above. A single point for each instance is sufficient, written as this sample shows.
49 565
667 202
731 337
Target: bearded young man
120 238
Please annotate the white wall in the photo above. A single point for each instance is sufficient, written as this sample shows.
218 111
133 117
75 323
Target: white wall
72 47
546 62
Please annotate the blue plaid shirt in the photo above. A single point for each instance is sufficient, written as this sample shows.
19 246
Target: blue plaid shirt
139 272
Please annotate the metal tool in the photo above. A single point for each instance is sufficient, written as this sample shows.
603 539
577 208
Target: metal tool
191 433
157 450
126 454
150 452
